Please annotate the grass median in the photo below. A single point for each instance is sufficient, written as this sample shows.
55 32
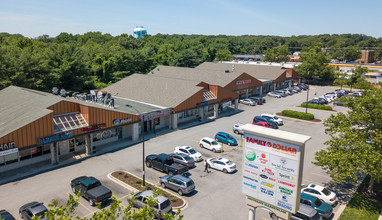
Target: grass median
364 205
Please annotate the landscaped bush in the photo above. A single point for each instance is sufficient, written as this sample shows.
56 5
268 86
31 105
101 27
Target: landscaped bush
296 114
316 106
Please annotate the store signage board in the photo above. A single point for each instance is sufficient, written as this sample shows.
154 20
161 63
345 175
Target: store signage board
272 166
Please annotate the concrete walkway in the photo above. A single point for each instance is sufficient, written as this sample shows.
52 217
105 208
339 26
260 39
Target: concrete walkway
68 159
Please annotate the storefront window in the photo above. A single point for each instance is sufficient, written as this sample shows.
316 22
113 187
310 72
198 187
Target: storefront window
10 158
46 149
157 121
180 115
25 154
36 151
210 108
103 135
80 140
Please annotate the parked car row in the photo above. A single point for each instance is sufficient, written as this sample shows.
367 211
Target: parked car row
252 101
319 198
288 91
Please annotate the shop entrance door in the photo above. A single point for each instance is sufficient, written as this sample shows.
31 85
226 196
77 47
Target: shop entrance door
148 126
71 145
119 132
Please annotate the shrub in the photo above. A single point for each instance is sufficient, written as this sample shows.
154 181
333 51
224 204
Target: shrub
125 175
296 114
316 106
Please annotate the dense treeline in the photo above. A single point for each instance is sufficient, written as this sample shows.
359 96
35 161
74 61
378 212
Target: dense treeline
94 60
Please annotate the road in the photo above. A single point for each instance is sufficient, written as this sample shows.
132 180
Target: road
218 195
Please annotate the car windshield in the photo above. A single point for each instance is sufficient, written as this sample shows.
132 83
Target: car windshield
165 204
318 202
214 143
190 183
40 213
326 192
275 117
192 151
229 136
229 162
186 157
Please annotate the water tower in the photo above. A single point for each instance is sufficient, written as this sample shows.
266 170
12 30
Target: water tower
139 31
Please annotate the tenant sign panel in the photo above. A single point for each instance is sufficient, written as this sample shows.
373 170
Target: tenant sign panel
272 167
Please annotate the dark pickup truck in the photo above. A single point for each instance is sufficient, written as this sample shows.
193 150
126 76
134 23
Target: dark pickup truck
165 163
91 189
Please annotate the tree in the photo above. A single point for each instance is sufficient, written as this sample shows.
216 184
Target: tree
355 140
358 72
277 54
66 211
223 55
342 78
314 64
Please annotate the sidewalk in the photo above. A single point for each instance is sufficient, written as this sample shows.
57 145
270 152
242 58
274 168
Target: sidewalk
71 158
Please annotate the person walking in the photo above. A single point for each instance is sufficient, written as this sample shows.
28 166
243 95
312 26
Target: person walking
206 166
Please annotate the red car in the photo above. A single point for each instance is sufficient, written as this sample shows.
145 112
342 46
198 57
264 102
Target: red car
261 123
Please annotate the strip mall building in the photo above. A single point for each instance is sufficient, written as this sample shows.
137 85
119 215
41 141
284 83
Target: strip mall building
38 126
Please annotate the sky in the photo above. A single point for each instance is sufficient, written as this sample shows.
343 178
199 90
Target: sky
33 18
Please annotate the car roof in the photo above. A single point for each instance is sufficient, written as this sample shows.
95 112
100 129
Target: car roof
307 210
181 154
222 159
315 186
208 139
269 115
149 193
89 181
181 177
308 197
220 132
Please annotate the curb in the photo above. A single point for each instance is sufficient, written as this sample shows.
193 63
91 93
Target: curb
296 119
328 111
133 189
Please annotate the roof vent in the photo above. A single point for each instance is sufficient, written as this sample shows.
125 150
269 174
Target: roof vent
55 91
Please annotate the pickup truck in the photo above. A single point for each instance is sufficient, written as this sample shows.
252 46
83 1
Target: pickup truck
91 189
165 163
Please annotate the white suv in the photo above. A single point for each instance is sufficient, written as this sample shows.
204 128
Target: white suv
276 119
189 151
210 144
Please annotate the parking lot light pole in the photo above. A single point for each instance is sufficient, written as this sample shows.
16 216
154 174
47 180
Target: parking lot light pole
307 97
141 119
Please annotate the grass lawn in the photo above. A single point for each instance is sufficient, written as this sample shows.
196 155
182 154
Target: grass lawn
364 205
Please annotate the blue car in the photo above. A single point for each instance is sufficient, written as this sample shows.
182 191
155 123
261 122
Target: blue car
225 138
323 208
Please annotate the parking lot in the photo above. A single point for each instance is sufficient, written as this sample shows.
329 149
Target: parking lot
217 195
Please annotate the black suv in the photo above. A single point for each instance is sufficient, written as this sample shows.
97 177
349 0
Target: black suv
264 119
33 209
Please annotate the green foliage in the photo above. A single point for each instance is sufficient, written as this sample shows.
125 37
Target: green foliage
296 114
223 55
363 205
355 139
95 60
115 210
277 54
314 64
316 106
